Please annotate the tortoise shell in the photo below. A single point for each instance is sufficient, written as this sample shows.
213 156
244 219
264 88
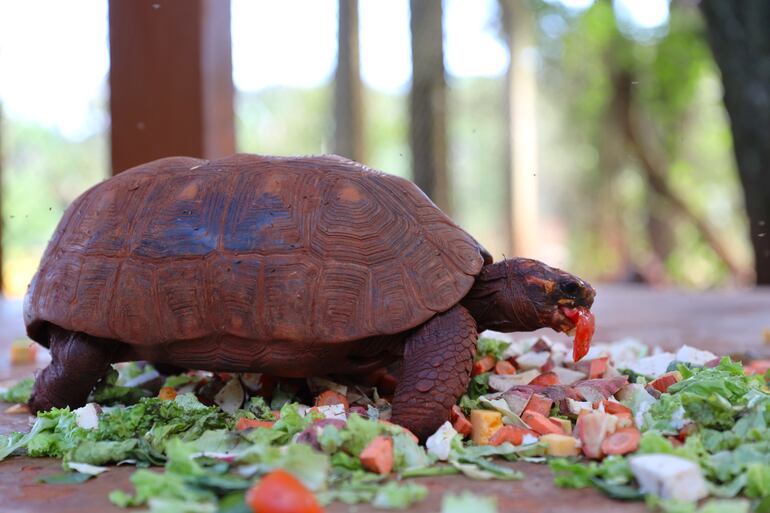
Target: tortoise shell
260 248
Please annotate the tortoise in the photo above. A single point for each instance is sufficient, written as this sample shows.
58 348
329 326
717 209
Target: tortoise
291 266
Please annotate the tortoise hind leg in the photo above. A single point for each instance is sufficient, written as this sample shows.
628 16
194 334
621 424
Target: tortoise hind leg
437 367
78 361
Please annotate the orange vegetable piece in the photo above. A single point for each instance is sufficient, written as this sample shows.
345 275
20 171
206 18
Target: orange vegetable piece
281 492
546 379
244 423
616 408
621 441
592 428
597 367
460 422
377 457
330 397
512 434
484 364
167 394
662 383
540 423
540 404
504 367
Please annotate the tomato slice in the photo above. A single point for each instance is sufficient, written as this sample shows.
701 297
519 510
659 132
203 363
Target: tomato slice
281 492
584 332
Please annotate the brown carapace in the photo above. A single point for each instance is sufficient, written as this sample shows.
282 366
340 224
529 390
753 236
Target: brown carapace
290 266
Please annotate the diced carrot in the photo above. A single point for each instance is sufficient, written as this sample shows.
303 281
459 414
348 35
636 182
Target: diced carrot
757 367
662 383
615 408
540 404
621 441
597 368
504 367
484 364
540 423
167 394
244 423
460 422
330 397
546 379
564 424
377 457
386 384
484 424
402 428
512 434
281 492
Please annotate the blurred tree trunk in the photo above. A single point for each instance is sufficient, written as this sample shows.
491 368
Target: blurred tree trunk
348 118
427 101
521 101
739 35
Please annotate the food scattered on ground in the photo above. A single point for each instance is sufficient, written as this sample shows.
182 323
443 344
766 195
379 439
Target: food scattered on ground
671 428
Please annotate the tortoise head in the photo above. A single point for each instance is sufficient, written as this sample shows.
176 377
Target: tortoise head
521 294
552 293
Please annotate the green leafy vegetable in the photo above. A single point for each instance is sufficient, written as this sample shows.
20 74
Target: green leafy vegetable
18 393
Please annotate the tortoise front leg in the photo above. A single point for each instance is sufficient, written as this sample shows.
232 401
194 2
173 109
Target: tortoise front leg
78 361
437 367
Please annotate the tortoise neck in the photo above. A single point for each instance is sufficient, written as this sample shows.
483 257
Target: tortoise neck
498 303
486 299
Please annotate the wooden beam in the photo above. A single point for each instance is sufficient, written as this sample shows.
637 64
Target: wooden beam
170 80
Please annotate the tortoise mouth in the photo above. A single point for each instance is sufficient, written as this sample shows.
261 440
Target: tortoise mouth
561 318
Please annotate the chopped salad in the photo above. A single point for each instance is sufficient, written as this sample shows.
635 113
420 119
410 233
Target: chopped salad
685 431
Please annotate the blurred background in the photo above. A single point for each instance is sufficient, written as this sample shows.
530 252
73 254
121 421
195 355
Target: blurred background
623 140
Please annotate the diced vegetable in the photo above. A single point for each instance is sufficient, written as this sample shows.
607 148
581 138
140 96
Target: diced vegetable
23 352
281 492
504 367
330 397
592 428
662 383
615 407
621 441
87 417
597 368
564 424
512 434
484 424
540 404
244 423
377 456
167 394
540 423
569 376
484 364
560 445
546 379
400 429
459 422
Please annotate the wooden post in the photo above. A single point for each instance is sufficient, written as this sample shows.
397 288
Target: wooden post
348 117
170 80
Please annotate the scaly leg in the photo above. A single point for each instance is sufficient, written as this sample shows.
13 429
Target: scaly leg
77 362
437 367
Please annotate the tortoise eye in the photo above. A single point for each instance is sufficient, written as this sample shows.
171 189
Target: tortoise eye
570 288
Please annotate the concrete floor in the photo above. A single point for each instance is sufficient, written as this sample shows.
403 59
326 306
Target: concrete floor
725 322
